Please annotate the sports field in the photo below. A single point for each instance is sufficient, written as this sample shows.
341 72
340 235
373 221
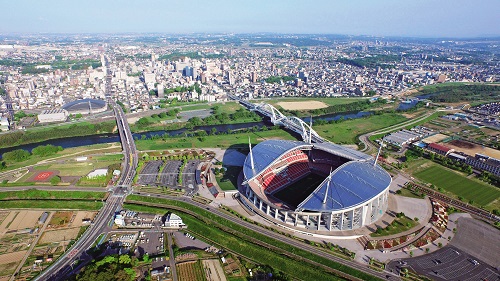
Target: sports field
481 193
298 191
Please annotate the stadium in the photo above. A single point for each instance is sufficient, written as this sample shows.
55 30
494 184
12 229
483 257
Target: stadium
85 106
314 186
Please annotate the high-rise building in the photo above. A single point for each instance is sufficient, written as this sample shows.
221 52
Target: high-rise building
203 77
253 77
230 78
187 71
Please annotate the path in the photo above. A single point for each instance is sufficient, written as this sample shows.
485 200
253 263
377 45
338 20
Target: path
33 244
171 256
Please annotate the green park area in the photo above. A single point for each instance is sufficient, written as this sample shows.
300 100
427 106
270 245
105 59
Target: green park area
227 177
235 139
44 199
473 191
50 194
400 224
346 132
327 101
38 134
472 93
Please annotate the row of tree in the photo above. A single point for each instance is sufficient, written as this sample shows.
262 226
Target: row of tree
33 136
222 118
19 155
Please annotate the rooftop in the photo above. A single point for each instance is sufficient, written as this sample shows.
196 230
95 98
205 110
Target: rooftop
349 185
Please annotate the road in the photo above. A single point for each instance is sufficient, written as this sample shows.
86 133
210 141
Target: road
276 236
365 138
173 269
63 267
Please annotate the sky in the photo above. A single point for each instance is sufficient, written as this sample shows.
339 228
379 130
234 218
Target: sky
417 18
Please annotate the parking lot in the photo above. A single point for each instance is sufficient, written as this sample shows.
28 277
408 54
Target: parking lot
168 176
183 241
188 176
150 242
149 173
449 263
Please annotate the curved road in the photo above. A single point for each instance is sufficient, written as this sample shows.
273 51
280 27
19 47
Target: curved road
365 138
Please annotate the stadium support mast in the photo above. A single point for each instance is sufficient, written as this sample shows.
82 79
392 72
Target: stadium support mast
378 153
327 186
251 154
90 108
310 129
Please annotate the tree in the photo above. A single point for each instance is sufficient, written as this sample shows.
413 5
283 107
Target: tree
46 150
144 121
3 165
17 155
55 180
145 258
125 259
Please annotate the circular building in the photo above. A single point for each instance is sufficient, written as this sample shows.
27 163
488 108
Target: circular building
316 186
85 106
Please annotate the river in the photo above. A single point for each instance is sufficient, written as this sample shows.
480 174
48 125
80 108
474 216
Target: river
109 138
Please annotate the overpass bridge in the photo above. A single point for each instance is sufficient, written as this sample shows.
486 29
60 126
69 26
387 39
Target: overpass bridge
64 266
292 123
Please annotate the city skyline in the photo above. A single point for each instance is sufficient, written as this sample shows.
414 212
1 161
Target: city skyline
442 19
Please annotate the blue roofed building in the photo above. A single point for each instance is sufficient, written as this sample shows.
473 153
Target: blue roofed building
350 190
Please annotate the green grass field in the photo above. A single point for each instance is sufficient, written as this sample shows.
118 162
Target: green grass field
328 101
222 141
345 132
481 193
397 226
68 153
229 180
50 194
52 204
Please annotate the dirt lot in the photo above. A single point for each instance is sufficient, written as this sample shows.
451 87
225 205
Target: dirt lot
302 105
213 270
77 221
24 219
8 219
59 235
472 148
434 138
7 269
60 219
12 257
3 215
9 262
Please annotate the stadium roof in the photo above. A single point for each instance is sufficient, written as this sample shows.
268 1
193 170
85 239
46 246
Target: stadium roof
83 104
266 152
350 185
343 151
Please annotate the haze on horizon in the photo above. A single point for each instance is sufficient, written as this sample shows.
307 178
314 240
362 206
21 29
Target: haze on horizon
419 18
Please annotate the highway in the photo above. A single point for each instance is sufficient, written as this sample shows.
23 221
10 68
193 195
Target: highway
63 266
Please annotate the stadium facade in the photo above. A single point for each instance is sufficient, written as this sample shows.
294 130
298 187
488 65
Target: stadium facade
352 190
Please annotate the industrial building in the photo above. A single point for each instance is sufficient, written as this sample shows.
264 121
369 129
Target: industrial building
53 115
